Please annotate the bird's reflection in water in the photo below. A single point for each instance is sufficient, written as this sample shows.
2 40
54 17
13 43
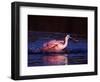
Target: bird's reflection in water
55 59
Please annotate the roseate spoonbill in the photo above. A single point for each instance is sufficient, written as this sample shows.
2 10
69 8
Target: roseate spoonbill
56 45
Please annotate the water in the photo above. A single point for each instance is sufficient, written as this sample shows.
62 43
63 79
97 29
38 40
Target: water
75 53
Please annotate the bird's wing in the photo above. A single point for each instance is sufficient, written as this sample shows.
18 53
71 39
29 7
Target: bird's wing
52 46
60 41
52 41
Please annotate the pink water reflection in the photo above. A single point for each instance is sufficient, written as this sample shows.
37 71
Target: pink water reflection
56 59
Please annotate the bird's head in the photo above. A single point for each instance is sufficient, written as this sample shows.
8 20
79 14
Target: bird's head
69 37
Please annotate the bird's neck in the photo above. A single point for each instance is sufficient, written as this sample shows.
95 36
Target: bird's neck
66 42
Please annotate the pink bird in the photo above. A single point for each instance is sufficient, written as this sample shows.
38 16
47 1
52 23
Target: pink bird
56 45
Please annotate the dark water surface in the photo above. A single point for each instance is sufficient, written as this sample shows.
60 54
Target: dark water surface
75 53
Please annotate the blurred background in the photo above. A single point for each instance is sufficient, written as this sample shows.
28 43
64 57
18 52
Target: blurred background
73 25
